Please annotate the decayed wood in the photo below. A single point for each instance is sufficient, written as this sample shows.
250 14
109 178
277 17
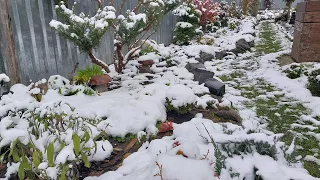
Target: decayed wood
7 43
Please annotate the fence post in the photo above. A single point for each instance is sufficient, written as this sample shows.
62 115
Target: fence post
7 43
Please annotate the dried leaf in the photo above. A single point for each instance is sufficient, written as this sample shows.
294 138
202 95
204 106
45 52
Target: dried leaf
165 127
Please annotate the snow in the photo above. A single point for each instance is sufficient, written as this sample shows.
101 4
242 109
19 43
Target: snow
180 95
4 78
184 25
189 153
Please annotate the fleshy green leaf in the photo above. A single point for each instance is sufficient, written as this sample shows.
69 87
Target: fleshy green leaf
25 163
35 159
50 154
76 144
85 160
21 172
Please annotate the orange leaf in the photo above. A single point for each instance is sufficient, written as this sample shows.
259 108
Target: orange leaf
181 153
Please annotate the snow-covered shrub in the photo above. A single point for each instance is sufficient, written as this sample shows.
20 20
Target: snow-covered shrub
295 71
63 86
314 82
180 98
84 75
50 142
188 23
234 11
131 29
254 8
268 4
84 31
205 40
249 147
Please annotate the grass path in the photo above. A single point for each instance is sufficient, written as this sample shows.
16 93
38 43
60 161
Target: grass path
277 112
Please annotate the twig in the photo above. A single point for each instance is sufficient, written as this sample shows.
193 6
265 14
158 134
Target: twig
122 5
73 71
160 171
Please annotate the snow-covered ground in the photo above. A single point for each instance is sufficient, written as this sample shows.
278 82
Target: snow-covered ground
192 152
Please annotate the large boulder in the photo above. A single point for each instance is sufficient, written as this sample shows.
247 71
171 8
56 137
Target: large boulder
215 86
242 46
206 57
221 54
201 75
191 67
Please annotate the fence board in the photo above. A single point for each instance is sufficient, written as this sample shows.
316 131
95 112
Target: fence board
41 52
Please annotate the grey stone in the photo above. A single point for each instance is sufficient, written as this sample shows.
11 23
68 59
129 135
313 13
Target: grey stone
206 56
191 67
215 87
144 69
201 75
242 46
221 54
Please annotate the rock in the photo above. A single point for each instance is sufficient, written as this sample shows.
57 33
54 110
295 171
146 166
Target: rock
229 115
100 82
215 86
147 62
206 56
242 46
144 69
201 75
191 67
221 54
292 18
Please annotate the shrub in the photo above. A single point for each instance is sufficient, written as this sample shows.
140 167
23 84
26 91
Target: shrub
254 8
180 110
295 71
314 82
53 138
84 75
188 23
209 12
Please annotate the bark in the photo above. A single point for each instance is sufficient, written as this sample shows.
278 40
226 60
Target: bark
94 60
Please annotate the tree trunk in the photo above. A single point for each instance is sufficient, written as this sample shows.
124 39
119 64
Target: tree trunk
98 62
118 58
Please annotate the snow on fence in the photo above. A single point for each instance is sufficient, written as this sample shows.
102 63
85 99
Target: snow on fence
41 52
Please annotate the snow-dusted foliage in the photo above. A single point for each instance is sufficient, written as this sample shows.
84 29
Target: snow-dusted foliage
4 78
188 23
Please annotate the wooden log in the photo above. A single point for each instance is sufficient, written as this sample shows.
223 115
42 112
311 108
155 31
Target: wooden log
7 43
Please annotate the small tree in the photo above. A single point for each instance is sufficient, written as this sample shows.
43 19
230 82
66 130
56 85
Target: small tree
209 11
84 31
131 29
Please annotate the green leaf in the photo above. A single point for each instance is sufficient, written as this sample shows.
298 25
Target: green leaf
35 159
76 144
15 155
85 160
50 154
64 171
21 172
86 136
25 163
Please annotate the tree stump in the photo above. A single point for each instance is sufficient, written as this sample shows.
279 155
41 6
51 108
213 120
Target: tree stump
306 42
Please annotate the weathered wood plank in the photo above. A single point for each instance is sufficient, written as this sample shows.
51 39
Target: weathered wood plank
7 43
